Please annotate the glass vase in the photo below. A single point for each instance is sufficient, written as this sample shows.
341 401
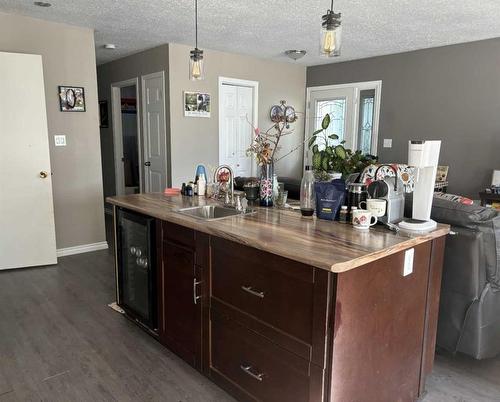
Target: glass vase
266 185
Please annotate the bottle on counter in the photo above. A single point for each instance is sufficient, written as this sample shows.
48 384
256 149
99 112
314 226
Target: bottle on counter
307 195
183 189
200 171
352 214
344 214
189 189
202 185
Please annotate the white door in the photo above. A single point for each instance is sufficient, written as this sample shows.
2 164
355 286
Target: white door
354 111
235 133
340 104
155 139
27 233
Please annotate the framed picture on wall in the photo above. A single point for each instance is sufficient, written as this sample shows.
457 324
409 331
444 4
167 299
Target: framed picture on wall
71 99
495 180
196 104
103 114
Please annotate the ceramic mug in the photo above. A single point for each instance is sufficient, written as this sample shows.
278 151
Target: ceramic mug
362 219
376 206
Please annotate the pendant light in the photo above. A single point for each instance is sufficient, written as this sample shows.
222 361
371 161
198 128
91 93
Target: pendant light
331 34
196 55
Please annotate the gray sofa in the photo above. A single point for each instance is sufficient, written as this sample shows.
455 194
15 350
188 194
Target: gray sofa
469 314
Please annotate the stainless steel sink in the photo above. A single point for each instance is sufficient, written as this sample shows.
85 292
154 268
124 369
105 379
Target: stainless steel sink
212 212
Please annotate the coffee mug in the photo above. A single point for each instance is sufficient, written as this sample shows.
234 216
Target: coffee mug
376 206
362 219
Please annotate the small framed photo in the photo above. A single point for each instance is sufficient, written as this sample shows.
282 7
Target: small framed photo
196 104
71 99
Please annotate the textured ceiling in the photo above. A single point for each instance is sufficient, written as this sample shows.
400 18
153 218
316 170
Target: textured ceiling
266 28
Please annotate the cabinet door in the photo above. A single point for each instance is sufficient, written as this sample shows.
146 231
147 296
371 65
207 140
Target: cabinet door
181 329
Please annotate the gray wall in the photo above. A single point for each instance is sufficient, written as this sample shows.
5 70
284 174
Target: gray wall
68 56
146 62
450 93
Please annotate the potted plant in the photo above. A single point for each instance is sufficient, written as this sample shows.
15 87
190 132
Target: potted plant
329 157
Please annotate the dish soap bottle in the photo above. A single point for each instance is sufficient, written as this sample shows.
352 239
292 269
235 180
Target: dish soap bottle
307 195
202 185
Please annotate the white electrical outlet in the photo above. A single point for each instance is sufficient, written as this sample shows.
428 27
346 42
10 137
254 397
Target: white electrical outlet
60 140
408 267
387 142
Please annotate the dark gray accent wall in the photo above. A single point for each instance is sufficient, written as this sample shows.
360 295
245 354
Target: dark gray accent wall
134 66
450 93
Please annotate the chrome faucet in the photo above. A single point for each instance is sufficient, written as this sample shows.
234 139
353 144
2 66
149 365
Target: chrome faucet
231 179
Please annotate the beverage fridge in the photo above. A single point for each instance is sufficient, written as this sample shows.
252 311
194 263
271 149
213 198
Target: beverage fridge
136 266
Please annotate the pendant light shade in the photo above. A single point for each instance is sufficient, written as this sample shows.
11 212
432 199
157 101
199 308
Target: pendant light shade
331 34
196 71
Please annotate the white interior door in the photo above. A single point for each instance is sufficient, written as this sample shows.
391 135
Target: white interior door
27 232
340 104
235 133
155 139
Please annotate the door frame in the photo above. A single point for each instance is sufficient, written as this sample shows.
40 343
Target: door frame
160 74
255 118
116 114
359 86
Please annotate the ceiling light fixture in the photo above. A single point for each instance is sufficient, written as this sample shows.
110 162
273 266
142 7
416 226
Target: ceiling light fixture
110 46
42 4
331 34
196 55
295 54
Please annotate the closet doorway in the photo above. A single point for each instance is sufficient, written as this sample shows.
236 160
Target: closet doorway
126 136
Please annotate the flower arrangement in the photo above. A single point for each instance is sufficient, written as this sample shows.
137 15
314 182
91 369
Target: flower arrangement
265 145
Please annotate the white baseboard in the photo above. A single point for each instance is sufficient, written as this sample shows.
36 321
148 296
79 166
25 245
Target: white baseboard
84 248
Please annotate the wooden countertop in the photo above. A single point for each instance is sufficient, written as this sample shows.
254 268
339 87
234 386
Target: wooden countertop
332 246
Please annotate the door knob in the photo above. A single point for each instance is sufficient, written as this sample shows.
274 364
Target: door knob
43 174
147 163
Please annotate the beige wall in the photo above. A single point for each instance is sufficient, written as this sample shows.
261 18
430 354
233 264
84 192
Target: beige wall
196 140
134 66
68 59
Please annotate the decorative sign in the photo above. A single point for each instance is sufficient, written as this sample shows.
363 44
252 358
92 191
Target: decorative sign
71 99
196 104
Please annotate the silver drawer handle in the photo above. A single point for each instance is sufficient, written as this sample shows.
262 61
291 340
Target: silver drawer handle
248 370
195 296
250 290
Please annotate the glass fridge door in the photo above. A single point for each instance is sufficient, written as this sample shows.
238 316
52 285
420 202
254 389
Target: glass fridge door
136 266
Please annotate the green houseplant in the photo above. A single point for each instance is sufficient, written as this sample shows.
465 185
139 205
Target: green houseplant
328 157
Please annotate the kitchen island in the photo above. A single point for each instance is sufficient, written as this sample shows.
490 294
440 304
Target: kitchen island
275 307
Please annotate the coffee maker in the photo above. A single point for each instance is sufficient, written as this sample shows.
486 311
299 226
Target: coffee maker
391 190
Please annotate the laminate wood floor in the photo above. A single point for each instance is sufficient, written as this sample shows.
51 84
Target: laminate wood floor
59 341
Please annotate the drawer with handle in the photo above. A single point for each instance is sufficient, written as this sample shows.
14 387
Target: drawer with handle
274 290
261 369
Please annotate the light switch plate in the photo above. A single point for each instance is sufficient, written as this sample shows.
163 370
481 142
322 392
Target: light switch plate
60 140
387 142
408 267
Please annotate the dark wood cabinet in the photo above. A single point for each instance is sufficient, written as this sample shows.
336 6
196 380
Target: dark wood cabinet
268 328
180 289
